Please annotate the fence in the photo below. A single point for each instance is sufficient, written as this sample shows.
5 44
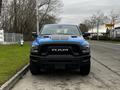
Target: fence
8 38
12 37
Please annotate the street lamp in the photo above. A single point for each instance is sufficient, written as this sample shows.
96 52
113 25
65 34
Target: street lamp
37 15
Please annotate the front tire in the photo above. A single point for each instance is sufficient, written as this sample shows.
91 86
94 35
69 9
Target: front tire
34 69
85 69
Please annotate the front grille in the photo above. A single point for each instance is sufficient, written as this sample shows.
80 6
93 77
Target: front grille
73 49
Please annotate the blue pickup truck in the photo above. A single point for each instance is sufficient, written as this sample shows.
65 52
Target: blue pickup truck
60 46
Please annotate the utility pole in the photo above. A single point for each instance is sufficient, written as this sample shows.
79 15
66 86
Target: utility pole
92 26
37 15
98 22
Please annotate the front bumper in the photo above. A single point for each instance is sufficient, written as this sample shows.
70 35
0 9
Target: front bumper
59 59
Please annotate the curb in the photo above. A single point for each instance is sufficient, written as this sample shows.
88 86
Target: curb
11 82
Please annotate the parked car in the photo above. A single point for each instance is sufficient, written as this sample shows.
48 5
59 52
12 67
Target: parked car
60 47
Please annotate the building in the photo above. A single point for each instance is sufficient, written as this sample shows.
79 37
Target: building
115 33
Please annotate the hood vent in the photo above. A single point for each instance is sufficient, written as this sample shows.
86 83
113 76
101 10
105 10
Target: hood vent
74 36
46 37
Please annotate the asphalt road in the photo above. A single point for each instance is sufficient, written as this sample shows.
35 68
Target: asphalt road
105 73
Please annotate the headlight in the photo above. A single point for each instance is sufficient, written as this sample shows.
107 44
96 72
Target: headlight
86 49
34 49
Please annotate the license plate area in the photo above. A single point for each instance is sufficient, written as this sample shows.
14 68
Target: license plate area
60 66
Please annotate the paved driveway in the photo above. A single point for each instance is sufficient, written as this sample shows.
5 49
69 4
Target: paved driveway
105 73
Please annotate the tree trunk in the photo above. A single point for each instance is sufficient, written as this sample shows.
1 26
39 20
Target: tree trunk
15 16
0 6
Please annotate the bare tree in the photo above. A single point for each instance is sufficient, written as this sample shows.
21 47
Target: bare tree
99 19
114 16
49 8
87 22
20 15
95 20
83 27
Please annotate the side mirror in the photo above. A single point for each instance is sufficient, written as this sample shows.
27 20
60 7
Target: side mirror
34 34
86 34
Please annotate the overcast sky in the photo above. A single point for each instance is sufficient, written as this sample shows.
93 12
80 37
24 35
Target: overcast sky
75 11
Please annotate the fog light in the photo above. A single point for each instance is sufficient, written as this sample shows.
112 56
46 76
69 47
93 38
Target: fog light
34 49
85 51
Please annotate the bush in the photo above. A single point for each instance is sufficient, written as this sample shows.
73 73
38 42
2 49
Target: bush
100 38
105 38
116 39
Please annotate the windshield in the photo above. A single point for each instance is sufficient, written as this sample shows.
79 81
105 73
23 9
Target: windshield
60 30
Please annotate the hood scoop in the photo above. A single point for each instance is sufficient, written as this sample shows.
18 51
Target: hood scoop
59 37
73 36
46 37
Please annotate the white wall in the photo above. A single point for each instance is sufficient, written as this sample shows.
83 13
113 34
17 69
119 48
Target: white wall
1 36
